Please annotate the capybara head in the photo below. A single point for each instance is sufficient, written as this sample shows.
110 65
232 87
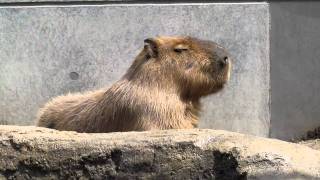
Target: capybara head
191 66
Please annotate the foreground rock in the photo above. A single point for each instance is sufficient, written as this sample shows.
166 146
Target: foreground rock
314 144
31 153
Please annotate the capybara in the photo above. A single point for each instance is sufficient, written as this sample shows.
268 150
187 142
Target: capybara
160 90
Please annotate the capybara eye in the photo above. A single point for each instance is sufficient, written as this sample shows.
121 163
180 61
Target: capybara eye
180 50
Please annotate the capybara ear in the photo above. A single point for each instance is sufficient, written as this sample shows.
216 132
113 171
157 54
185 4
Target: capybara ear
151 46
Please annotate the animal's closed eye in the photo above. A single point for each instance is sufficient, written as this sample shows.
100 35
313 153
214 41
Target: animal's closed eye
180 48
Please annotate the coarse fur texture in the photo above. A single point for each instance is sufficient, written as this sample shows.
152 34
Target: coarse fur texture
161 90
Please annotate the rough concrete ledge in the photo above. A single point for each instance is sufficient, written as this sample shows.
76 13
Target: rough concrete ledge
314 143
31 153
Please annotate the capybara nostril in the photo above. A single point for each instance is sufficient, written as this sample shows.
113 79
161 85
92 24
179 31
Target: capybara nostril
226 60
223 62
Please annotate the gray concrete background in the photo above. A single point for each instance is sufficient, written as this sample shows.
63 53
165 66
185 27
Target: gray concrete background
42 45
295 68
294 61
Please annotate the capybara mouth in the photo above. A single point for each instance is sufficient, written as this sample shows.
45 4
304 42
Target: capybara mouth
224 79
218 87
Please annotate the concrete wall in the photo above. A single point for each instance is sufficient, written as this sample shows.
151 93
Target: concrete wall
51 50
44 48
295 68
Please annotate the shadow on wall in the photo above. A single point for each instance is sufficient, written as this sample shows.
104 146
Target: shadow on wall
295 68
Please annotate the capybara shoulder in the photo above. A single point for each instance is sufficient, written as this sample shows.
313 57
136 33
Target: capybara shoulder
160 90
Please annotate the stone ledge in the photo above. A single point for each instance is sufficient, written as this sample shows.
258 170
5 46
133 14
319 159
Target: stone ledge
314 143
32 152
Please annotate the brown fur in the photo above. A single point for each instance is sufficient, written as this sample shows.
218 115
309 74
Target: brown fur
160 90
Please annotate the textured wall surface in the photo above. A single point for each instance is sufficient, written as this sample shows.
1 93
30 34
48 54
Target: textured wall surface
295 68
51 50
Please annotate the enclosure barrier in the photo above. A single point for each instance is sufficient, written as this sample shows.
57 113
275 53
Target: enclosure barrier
30 152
